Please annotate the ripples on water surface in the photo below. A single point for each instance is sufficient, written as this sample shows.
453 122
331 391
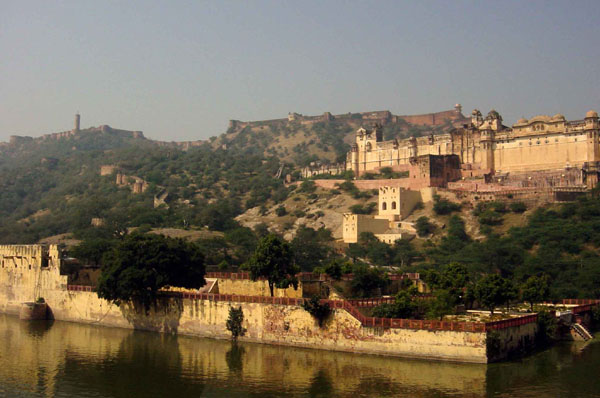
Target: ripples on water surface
42 359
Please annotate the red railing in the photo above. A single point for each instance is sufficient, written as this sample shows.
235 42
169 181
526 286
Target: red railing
512 322
375 301
80 288
579 301
304 276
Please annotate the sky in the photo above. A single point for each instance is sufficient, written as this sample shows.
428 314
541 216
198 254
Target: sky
180 70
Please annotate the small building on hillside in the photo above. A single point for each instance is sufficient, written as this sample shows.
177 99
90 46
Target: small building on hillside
395 204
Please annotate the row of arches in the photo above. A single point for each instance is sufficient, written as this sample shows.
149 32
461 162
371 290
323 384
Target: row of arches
384 206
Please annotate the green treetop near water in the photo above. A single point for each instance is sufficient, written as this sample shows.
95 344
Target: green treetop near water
139 265
274 260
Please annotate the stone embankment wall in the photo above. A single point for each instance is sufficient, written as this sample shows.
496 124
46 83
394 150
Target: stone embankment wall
30 272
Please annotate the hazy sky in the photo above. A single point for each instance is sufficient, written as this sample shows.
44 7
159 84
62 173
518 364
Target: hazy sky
180 70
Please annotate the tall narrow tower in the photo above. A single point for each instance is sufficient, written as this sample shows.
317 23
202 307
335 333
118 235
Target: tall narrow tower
77 120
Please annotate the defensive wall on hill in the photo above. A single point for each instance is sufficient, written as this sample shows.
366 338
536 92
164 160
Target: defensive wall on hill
30 272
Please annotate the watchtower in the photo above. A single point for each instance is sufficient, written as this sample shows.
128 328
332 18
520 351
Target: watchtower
77 121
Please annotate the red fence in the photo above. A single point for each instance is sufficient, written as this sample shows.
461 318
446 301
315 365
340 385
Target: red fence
349 306
80 288
374 302
579 301
306 276
512 322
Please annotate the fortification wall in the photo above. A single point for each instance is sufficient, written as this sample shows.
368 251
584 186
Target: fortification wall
432 119
30 272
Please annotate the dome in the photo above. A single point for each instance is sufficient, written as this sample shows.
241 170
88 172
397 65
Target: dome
591 114
558 116
475 112
493 114
522 121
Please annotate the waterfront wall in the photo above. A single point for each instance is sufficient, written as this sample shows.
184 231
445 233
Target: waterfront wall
34 271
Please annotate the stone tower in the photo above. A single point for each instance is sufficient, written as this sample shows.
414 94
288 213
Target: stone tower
591 130
77 121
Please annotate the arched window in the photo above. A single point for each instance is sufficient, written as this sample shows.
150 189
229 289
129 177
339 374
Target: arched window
393 205
384 206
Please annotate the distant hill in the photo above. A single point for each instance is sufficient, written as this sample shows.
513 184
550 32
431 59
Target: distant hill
302 139
57 184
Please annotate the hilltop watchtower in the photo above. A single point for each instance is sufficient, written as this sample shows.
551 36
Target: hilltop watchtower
77 123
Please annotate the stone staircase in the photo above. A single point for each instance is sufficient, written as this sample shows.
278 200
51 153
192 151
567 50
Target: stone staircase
580 332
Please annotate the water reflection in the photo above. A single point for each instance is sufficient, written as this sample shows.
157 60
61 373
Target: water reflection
234 358
65 359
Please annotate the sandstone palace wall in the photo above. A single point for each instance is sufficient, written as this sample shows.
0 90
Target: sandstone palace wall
487 147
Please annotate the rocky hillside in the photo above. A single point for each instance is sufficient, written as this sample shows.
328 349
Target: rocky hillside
59 182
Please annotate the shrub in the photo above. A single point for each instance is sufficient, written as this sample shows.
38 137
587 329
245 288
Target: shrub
360 209
307 186
317 310
518 207
443 206
299 213
403 307
280 211
234 322
498 207
490 217
424 227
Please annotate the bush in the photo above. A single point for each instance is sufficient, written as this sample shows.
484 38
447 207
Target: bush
403 307
360 209
424 227
518 207
280 211
490 217
234 322
368 281
307 186
317 310
299 213
443 206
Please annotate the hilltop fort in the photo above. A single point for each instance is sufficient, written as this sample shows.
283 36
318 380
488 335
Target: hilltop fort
453 116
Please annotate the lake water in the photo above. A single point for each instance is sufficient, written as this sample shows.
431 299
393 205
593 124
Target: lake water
61 359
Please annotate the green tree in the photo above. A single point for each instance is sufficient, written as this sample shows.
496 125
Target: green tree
535 290
367 281
443 303
92 250
335 268
490 291
310 247
402 307
273 259
140 265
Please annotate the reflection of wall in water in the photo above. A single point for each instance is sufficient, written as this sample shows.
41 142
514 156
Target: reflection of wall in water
100 357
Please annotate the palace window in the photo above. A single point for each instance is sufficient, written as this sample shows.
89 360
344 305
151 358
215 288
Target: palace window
384 206
393 205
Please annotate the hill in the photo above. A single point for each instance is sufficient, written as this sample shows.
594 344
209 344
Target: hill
58 183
